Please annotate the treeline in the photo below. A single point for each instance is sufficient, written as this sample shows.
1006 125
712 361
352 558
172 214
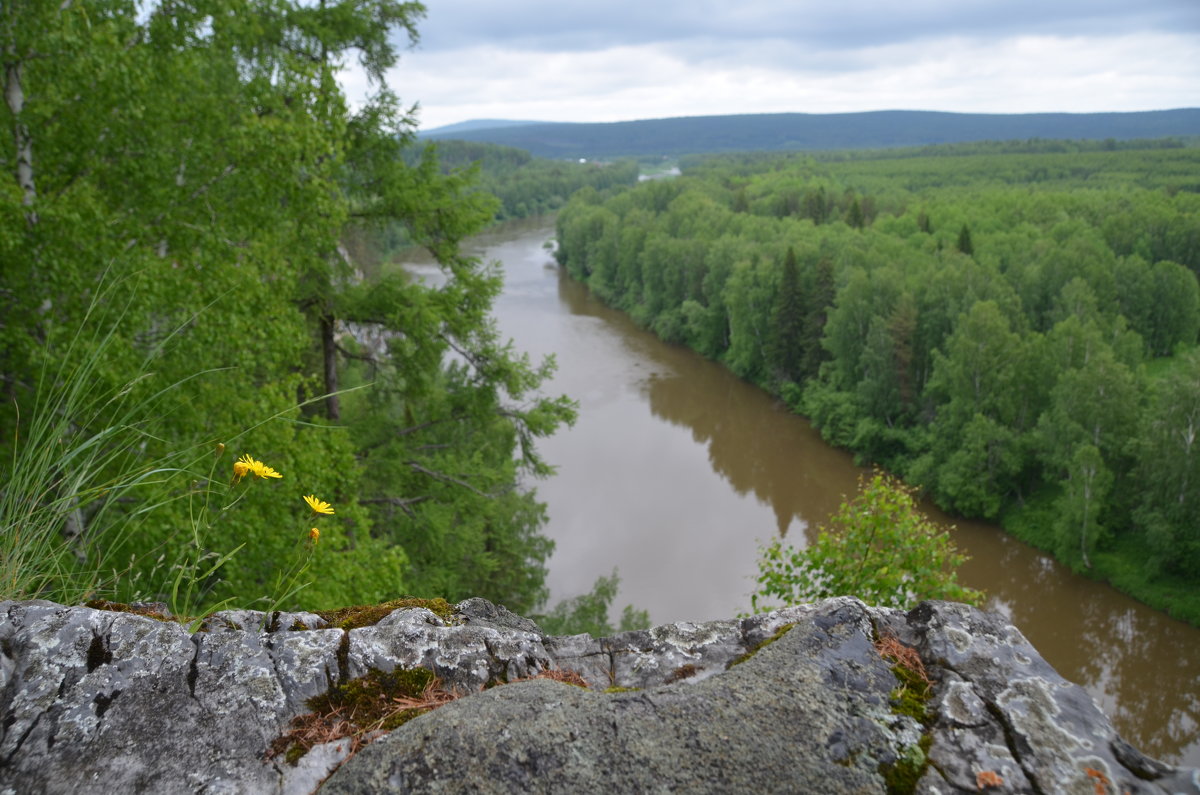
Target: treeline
1016 333
177 181
528 185
823 131
1026 146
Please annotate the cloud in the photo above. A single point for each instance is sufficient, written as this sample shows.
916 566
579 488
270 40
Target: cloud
619 60
549 25
1023 74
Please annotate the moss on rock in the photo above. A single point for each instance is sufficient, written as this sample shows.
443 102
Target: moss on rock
378 701
779 633
369 615
156 611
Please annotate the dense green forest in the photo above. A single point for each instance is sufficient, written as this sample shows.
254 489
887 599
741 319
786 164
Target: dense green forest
813 131
202 398
1011 327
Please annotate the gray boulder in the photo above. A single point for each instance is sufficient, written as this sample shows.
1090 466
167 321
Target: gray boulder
103 701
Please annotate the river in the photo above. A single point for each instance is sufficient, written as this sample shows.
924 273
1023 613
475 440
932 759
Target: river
677 470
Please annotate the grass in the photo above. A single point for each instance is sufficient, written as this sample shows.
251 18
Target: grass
74 460
79 482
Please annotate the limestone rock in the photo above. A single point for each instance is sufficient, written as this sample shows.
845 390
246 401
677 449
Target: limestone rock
101 701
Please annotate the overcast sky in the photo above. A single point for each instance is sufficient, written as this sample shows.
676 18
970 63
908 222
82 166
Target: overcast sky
616 60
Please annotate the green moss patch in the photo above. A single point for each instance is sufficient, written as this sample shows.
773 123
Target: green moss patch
369 615
361 708
779 633
148 611
911 697
902 775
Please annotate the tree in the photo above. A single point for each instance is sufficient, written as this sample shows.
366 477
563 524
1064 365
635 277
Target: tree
786 352
976 450
589 613
879 548
854 216
817 302
1167 473
981 357
1095 403
220 218
964 243
923 222
1079 528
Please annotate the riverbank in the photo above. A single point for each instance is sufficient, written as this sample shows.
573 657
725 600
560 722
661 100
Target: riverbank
1123 565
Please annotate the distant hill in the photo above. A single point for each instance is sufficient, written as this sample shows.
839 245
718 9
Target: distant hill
475 125
793 131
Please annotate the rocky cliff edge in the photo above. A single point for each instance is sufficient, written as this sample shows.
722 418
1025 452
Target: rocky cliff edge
828 697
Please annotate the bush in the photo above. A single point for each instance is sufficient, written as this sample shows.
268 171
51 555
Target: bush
880 548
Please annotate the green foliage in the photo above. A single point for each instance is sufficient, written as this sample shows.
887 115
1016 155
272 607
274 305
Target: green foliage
60 481
879 547
964 243
786 352
192 169
1168 468
589 613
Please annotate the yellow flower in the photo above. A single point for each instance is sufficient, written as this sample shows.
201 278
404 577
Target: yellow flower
248 464
265 471
314 535
318 506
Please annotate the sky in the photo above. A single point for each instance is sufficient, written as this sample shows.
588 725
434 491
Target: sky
620 60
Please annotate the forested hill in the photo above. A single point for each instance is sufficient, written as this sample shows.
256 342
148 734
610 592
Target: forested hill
791 131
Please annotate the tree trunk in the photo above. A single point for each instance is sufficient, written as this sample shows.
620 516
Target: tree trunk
14 97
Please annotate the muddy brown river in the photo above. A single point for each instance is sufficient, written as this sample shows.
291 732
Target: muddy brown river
677 470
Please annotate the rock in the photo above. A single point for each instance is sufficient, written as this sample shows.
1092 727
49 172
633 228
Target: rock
103 701
792 717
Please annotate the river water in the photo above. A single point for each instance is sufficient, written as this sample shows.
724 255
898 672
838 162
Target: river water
677 470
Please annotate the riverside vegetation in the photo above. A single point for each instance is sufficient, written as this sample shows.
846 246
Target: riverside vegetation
1010 326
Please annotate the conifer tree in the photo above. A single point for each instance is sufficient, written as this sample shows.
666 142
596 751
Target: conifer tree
964 241
787 323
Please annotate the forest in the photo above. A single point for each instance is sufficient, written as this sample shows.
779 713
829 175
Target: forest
1011 327
205 400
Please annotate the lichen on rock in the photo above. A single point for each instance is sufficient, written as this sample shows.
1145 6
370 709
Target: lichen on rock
102 700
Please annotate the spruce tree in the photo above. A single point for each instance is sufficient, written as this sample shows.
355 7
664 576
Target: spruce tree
786 352
964 241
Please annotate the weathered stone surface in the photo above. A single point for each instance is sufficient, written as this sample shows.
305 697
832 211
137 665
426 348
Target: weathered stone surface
793 718
99 701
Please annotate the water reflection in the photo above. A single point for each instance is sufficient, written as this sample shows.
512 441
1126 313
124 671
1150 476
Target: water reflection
677 467
753 444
